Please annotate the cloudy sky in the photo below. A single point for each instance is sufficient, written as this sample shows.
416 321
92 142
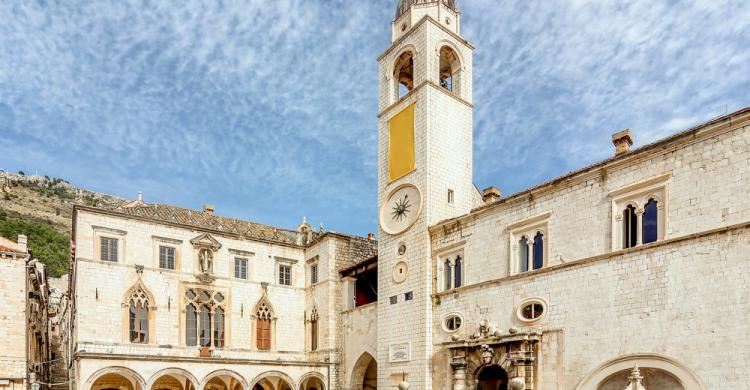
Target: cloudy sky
267 109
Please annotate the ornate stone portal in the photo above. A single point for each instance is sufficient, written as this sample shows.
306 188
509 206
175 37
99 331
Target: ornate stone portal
514 355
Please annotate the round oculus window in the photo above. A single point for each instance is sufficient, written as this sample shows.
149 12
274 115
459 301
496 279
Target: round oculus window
452 323
401 249
531 310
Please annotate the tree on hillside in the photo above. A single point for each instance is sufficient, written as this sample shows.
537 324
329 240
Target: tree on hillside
46 244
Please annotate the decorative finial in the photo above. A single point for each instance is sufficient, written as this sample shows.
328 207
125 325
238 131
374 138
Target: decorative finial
635 379
321 227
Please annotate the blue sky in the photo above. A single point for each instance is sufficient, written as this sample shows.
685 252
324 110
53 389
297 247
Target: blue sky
267 109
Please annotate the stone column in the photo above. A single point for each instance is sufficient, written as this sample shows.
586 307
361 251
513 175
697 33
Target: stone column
459 373
639 223
530 259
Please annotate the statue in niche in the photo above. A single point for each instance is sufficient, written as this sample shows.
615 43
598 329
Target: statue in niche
206 259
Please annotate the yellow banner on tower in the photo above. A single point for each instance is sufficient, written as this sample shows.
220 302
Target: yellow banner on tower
401 143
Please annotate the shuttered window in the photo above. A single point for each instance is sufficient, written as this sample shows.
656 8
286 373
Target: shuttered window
108 249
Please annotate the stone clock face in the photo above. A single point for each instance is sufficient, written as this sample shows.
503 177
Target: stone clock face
401 209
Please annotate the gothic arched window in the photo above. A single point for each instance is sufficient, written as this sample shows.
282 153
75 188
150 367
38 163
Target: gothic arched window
538 250
205 318
137 305
457 272
523 254
263 327
650 221
629 227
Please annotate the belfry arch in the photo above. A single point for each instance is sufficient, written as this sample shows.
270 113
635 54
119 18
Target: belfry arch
403 74
449 69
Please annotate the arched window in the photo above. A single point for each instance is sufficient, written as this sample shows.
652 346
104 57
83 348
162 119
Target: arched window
447 274
219 328
650 221
191 325
205 318
404 74
138 311
263 327
629 227
450 68
138 321
314 330
538 250
457 272
523 255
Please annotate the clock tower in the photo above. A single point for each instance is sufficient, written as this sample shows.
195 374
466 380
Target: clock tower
424 176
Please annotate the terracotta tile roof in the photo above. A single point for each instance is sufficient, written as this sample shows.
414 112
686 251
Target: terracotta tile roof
208 221
4 248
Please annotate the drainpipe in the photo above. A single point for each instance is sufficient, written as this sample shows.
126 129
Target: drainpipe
26 323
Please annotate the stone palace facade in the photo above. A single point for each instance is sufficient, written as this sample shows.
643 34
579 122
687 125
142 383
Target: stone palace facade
631 272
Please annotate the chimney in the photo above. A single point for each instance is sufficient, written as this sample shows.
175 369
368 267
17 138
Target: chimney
22 243
491 194
623 140
209 209
371 236
140 196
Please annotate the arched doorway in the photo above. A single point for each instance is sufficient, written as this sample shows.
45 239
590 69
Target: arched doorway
663 373
492 378
653 378
365 373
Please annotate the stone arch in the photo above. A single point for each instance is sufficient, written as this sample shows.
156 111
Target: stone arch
173 372
271 374
312 376
359 377
450 67
402 71
136 289
136 380
226 377
680 372
263 324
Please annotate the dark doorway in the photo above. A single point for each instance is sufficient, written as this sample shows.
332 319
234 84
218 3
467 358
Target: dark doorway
493 378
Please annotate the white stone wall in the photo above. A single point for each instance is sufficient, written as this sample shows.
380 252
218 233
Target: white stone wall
681 297
101 320
360 336
13 318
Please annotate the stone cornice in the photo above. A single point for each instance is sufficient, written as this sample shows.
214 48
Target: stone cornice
211 360
594 259
405 98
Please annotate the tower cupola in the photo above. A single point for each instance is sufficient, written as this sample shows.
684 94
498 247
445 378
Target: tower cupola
403 5
410 12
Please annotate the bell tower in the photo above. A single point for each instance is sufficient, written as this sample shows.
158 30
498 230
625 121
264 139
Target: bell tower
424 176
